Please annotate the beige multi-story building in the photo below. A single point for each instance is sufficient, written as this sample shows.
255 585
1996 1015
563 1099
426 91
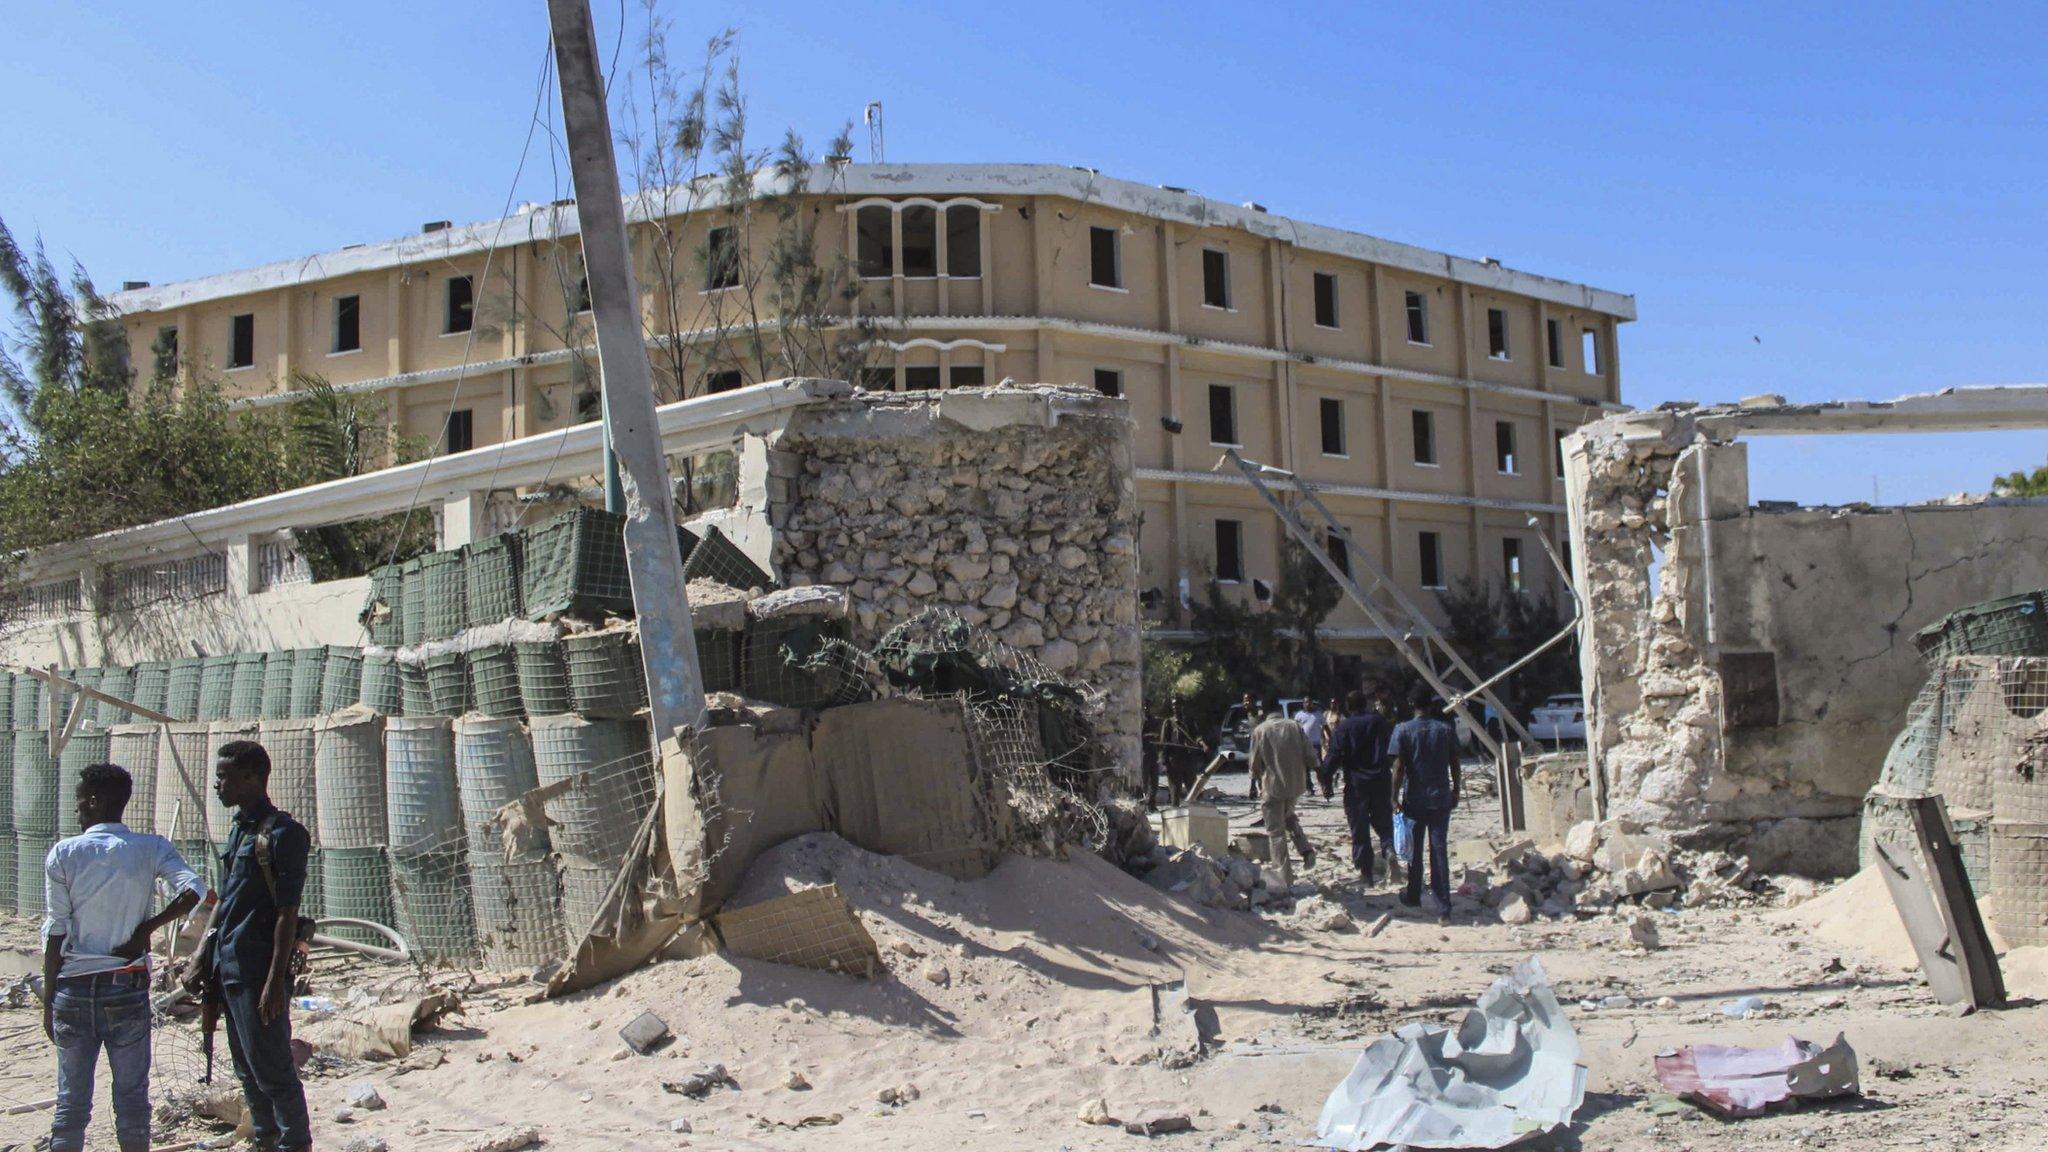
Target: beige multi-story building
1424 394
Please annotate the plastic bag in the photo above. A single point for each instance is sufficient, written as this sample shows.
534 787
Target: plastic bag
1403 832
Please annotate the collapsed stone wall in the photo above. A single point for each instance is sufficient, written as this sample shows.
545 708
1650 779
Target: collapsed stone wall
1744 702
1014 507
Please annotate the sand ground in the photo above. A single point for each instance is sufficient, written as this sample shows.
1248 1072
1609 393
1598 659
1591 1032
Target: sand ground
1012 1001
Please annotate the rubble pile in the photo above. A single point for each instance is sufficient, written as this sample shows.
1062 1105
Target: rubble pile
1592 875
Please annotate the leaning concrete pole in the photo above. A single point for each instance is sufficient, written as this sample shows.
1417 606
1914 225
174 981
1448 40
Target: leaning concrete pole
668 646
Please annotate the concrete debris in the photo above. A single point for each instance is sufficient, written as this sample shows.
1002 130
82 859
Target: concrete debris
1229 881
1745 1081
1509 1069
1322 915
1642 932
1158 1122
796 1082
1096 1111
700 1082
645 1033
898 1096
365 1098
504 1140
365 1144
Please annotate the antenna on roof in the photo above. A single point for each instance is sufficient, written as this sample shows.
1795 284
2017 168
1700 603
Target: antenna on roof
872 117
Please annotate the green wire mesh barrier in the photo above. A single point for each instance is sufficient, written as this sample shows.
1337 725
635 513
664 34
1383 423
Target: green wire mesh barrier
718 559
576 562
182 782
7 783
355 884
291 747
412 604
518 915
115 682
134 747
606 678
447 684
277 684
341 678
2012 626
494 767
583 889
348 781
801 662
29 854
442 583
718 656
28 696
491 572
181 689
381 690
381 615
35 784
10 873
309 669
216 686
436 912
152 685
245 698
417 699
419 784
494 680
543 677
6 702
613 770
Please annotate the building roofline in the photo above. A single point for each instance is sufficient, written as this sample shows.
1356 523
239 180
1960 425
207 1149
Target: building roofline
1081 184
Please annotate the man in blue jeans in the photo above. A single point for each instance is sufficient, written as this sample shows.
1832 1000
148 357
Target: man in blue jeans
99 886
1427 780
248 955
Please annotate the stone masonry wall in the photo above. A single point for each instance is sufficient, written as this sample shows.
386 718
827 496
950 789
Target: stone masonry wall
1015 507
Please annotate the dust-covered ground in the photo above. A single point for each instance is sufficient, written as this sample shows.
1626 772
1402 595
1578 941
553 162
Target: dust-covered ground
1011 1002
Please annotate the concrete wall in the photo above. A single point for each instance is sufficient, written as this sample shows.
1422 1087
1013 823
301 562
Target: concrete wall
292 616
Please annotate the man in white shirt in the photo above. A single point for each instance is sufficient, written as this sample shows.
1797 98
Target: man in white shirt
1311 720
99 886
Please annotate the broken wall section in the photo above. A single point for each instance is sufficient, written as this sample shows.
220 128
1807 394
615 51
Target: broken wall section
1013 507
1747 701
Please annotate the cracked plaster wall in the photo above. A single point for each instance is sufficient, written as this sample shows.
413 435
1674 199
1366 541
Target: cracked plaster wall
1832 594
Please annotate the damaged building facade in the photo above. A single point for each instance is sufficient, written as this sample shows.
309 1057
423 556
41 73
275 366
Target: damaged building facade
1746 696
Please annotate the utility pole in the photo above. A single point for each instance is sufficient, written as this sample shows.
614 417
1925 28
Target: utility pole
668 645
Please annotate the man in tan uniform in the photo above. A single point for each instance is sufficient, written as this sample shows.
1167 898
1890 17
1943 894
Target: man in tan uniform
1280 764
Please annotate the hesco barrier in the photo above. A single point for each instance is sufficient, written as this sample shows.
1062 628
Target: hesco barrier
614 774
309 665
88 746
10 874
245 699
348 780
115 682
494 680
576 562
416 699
447 684
216 686
381 616
412 604
7 701
2019 882
341 678
220 820
6 782
543 677
606 679
134 747
493 768
152 686
29 854
2013 626
518 917
27 711
381 690
181 688
88 677
778 666
583 889
443 583
290 744
491 573
718 559
202 858
718 659
419 785
356 883
183 782
277 684
35 784
436 913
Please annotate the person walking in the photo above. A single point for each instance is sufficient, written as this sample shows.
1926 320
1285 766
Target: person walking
246 964
98 888
1182 753
1280 764
1310 717
1251 714
1358 754
1426 781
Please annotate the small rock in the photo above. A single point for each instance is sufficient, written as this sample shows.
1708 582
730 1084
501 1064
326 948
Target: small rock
699 1083
938 974
364 1098
905 948
1665 1002
895 1097
344 1115
1515 908
364 1144
680 1124
795 1081
1158 1122
1096 1111
1642 932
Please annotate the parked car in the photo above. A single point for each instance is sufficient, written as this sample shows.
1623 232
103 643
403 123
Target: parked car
1559 719
1468 739
1234 735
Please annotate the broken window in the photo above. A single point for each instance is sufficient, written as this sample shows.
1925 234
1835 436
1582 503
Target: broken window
1423 424
1511 563
1326 300
1105 260
920 241
1553 336
1215 278
721 259
167 351
460 313
875 246
1430 548
1497 333
964 376
1504 447
461 430
1333 546
1559 453
1222 414
1229 550
1589 349
1418 318
924 378
1333 426
963 240
724 380
1109 381
242 340
348 324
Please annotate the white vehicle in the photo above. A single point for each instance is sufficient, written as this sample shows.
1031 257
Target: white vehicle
1559 719
1234 736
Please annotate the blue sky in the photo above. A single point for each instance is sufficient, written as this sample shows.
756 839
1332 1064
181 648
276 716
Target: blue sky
1803 201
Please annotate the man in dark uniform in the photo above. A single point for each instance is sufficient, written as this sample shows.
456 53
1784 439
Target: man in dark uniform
1427 780
1358 755
248 958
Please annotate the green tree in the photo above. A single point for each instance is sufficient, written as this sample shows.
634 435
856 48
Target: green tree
2033 483
66 337
1303 597
330 434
